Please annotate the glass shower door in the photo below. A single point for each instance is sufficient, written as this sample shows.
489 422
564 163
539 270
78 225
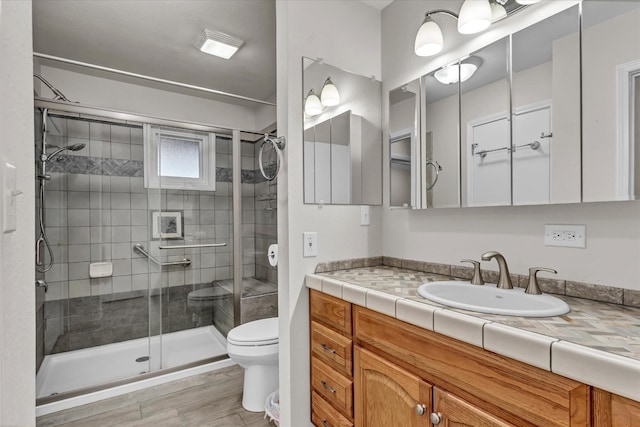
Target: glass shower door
191 235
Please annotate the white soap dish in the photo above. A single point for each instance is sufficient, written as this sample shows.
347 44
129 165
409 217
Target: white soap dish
100 269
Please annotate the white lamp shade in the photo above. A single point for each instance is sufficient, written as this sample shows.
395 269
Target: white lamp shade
526 2
475 16
497 12
329 97
429 39
312 105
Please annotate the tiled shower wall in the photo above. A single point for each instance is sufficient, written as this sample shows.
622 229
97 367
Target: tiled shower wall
96 210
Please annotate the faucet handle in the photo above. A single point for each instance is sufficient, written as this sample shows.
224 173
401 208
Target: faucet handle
477 275
532 287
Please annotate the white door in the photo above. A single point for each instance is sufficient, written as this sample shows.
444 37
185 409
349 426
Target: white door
489 172
531 156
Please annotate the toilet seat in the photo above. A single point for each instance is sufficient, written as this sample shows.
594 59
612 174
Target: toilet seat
256 333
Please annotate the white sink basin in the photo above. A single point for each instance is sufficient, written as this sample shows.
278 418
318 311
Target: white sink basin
489 299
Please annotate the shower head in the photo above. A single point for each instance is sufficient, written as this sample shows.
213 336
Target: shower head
73 147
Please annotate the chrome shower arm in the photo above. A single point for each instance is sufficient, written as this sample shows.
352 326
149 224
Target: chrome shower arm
59 96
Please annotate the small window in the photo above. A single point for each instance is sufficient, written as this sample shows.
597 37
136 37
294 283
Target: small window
179 159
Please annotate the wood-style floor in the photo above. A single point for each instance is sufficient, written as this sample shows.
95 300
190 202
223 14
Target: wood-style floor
211 399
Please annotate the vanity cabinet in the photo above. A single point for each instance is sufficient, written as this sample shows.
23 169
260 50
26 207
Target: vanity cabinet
387 373
331 361
508 390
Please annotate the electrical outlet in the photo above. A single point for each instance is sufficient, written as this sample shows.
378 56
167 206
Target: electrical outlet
310 242
572 236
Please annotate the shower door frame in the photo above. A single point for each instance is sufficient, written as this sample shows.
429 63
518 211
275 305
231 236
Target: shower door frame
78 110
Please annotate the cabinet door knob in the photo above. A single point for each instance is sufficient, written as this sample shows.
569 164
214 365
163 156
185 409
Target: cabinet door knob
420 409
325 423
435 418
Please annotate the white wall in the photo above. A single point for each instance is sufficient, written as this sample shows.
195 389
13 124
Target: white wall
448 235
605 46
17 286
113 94
351 40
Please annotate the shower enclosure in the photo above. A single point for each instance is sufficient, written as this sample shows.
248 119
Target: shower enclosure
152 243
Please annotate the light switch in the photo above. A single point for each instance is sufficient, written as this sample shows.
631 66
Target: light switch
11 193
364 215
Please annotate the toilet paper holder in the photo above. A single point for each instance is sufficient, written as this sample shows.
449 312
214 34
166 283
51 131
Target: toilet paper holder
272 255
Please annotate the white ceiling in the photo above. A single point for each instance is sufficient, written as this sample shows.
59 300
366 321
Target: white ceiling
378 4
156 38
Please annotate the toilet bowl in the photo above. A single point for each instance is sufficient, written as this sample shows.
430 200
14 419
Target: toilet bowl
254 346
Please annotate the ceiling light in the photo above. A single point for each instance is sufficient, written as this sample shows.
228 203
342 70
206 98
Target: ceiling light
475 16
459 71
526 2
497 12
218 44
329 96
312 105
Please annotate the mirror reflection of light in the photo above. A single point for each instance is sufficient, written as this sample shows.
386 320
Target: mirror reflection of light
330 97
453 73
312 105
527 2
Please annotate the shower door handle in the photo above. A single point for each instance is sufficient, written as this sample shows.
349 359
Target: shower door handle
206 245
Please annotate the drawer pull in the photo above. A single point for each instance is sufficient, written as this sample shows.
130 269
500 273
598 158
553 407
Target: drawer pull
325 423
330 389
327 349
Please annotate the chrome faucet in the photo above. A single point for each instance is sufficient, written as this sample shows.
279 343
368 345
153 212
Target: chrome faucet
504 280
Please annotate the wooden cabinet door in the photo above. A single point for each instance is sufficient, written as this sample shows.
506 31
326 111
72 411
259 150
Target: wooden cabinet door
455 412
611 410
386 395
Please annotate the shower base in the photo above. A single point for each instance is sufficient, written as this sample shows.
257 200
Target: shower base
92 371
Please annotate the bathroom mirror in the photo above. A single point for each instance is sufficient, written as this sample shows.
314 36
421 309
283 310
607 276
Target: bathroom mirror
440 143
485 129
404 105
611 100
545 93
342 136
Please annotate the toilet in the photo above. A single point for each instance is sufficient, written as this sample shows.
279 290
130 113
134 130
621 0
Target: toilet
254 346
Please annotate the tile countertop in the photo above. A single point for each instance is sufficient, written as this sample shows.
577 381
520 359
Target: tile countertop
595 343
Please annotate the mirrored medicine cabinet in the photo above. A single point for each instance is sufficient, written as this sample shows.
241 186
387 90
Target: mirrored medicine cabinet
505 125
342 154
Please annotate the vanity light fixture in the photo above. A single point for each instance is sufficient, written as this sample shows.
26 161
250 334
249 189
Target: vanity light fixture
475 16
497 12
458 71
312 104
329 96
218 44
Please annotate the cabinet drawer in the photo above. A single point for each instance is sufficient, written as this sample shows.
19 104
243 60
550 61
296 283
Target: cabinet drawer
332 348
333 386
334 312
325 415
